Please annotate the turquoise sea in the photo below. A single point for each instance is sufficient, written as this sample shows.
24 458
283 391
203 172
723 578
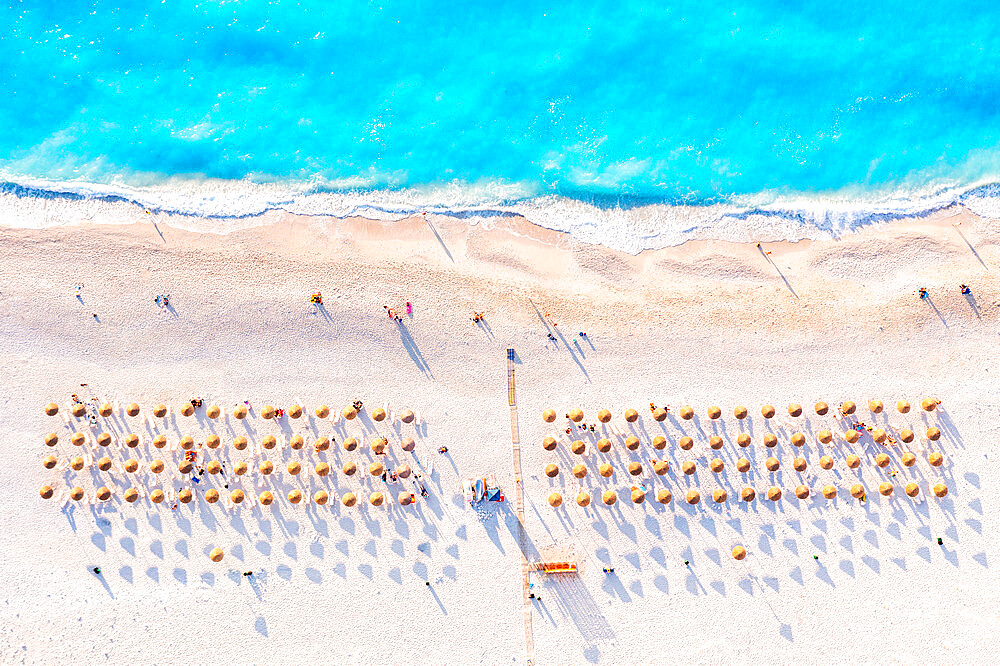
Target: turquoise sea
615 119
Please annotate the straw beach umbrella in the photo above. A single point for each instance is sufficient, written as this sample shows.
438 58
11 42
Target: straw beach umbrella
104 439
52 409
131 465
132 440
719 496
743 465
297 442
659 442
549 415
187 409
583 498
46 492
132 409
216 555
295 496
267 412
767 411
906 435
131 495
716 465
802 492
349 499
829 492
688 467
928 404
552 470
322 412
715 442
322 469
940 490
578 447
908 459
555 500
847 407
748 494
798 439
580 471
321 497
878 434
79 409
609 497
821 408
187 443
237 496
740 412
156 466
240 412
882 460
378 445
269 442
772 464
638 497
912 489
687 412
885 488
857 491
826 462
631 442
185 496
875 406
376 499
405 499
265 498
349 468
76 463
663 496
349 413
853 461
606 470
295 411
686 443
105 410
403 471
774 493
770 440
376 469
213 412
211 495
294 467
159 442
160 411
799 464
104 493
350 444
743 440
185 466
575 415
714 412
661 467
378 414
604 416
77 439
795 409
739 552
157 496
407 416
631 415
692 497
933 434
323 444
634 468
408 444
902 407
851 436
51 439
213 441
48 462
660 414
935 459
76 493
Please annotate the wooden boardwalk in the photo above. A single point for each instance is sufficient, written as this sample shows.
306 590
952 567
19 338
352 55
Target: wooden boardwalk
515 439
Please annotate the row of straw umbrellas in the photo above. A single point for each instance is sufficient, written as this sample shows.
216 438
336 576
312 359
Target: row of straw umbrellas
717 465
240 411
719 496
266 467
185 496
319 444
687 412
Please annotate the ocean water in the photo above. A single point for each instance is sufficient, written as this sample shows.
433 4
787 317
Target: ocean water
630 123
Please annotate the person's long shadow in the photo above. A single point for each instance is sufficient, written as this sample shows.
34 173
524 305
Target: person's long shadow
936 311
323 311
976 254
446 251
972 304
780 274
486 328
411 348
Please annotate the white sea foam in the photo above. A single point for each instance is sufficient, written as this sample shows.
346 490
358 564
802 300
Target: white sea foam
223 206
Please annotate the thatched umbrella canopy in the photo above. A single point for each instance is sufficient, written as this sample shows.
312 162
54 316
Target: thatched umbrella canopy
294 467
638 497
743 465
719 495
378 415
295 411
407 416
185 496
609 497
583 498
131 465
663 496
79 409
131 440
132 409
131 495
748 494
631 415
885 488
767 411
405 499
799 464
604 416
552 470
237 496
578 447
350 444
403 471
935 459
882 460
266 467
378 445
689 467
634 468
269 442
906 435
187 409
76 463
687 412
686 443
714 412
160 411
48 462
716 465
852 436
739 552
408 444
322 412
297 442
660 414
770 440
105 410
772 464
157 496
549 415
802 492
857 491
661 467
878 434
104 439
376 468
774 493
349 468
740 412
323 444
160 441
213 412
52 409
826 462
52 439
912 489
659 442
798 439
322 469
933 434
187 443
940 490
104 493
295 496
349 499
928 404
795 409
77 439
211 495
376 499
185 466
821 408
579 471
267 412
715 442
606 470
555 500
216 555
829 492
575 415
603 445
875 406
265 498
853 461
240 412
349 413
76 493
692 497
156 466
46 492
213 441
321 497
743 440
847 407
240 469
631 442
902 407
908 459
240 443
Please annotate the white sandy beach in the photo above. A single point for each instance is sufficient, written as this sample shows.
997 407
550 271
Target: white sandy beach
706 323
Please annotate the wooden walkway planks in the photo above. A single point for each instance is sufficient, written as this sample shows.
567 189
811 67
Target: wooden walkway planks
515 439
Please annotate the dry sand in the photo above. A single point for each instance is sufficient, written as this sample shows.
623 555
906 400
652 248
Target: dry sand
705 323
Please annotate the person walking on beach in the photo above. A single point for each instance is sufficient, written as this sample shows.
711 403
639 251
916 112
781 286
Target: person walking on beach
965 289
923 292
